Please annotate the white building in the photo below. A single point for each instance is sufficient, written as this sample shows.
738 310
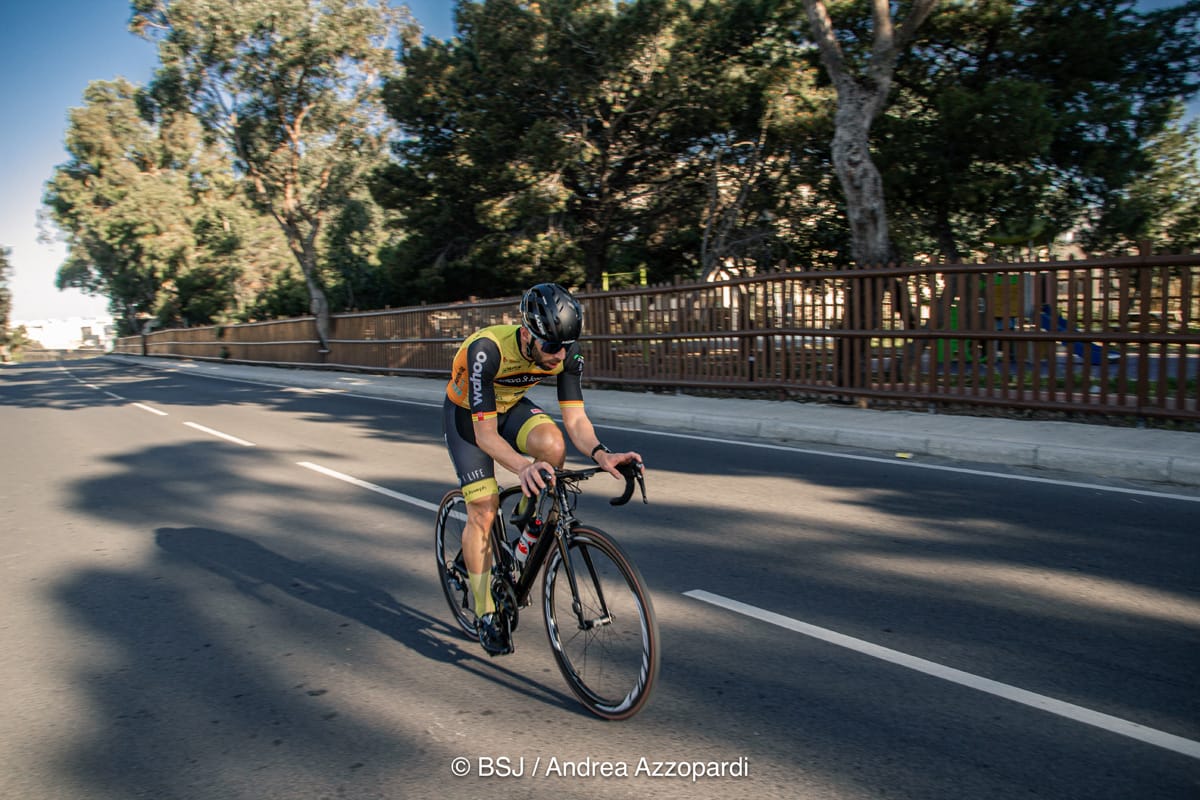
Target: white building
69 334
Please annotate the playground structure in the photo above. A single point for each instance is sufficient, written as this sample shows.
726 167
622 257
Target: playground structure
1051 321
1013 304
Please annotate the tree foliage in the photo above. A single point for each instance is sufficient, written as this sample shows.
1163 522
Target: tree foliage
5 293
1014 119
567 140
12 340
150 214
1160 208
290 88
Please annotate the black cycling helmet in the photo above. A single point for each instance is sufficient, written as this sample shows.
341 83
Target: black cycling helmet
552 314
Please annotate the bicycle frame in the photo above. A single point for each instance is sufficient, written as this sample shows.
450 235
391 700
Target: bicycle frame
556 501
564 520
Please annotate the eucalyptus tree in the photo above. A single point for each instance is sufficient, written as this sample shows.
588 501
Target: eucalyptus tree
290 87
5 293
861 70
860 60
148 219
94 200
14 340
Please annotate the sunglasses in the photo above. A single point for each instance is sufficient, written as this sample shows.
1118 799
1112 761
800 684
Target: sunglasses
551 347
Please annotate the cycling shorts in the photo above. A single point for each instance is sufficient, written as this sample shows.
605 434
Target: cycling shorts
476 469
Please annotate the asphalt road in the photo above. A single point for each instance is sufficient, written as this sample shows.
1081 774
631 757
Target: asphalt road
195 606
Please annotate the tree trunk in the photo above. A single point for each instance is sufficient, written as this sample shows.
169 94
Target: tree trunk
318 303
303 247
861 95
870 243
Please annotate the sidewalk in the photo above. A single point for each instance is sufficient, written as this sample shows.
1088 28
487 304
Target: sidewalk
1126 453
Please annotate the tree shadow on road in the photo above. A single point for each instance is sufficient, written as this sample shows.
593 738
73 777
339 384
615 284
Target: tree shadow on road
253 570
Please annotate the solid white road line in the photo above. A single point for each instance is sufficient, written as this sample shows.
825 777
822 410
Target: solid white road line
219 435
1117 725
341 476
145 407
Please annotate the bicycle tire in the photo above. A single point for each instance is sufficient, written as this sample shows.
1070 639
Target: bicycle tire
611 667
448 527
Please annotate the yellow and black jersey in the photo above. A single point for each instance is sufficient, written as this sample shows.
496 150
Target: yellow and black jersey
490 373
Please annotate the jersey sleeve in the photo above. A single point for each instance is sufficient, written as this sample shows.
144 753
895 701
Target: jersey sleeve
483 363
570 380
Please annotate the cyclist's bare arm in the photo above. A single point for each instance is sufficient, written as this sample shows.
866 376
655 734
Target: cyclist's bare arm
583 436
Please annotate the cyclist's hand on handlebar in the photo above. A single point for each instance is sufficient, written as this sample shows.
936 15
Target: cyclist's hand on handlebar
611 462
535 476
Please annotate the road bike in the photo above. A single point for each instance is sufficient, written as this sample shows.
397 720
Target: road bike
597 610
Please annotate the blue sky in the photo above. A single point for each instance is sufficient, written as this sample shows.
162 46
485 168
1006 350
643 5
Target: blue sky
49 52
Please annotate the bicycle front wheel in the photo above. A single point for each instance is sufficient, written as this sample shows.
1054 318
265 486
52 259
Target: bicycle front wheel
607 645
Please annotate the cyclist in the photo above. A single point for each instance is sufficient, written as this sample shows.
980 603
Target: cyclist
488 419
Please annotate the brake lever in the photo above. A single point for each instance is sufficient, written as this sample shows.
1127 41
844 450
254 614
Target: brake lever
630 471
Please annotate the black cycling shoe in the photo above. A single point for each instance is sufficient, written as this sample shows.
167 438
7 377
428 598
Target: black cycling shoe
493 635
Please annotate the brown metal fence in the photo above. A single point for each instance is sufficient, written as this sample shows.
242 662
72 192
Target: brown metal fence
1109 336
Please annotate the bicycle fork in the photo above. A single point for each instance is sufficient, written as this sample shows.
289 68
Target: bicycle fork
605 617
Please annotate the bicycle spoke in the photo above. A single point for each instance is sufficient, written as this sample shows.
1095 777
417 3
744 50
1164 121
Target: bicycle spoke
606 647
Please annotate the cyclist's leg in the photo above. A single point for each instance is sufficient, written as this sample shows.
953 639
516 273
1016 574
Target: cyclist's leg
532 431
477 551
476 477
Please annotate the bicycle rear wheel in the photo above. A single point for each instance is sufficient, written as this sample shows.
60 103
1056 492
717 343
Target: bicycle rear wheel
452 572
450 522
608 652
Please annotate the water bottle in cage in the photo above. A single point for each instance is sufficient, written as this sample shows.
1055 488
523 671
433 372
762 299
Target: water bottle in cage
527 541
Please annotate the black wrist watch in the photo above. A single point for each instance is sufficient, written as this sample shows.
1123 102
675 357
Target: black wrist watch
592 455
